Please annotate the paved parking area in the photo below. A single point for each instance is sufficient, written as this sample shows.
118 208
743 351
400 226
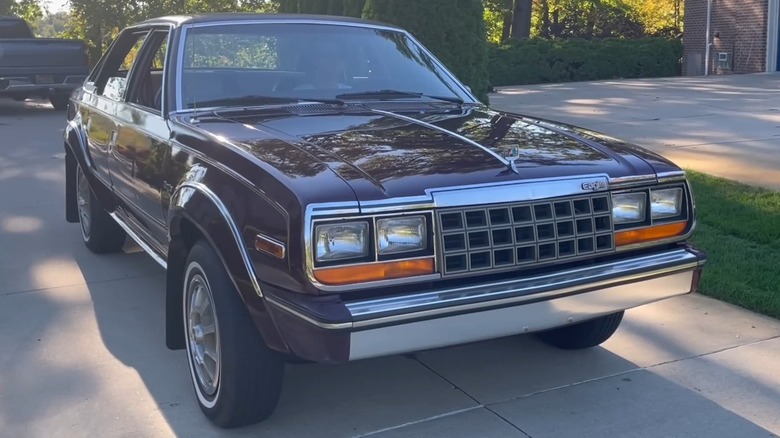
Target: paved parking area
724 125
82 351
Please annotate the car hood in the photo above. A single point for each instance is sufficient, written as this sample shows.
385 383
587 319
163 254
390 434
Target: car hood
387 153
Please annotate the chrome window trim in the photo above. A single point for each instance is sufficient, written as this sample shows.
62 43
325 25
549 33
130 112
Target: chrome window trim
185 27
231 224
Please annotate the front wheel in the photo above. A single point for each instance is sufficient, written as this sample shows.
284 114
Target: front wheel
237 378
583 335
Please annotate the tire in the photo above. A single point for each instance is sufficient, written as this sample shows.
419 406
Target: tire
101 234
59 101
583 335
239 381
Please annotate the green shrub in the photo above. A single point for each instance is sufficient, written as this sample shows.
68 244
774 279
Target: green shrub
536 60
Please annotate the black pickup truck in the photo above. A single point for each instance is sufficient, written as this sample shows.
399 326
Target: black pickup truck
39 67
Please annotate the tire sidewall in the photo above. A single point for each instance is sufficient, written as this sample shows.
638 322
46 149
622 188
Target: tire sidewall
194 267
84 234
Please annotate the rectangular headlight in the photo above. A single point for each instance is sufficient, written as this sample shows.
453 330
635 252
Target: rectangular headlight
341 241
628 207
402 234
666 203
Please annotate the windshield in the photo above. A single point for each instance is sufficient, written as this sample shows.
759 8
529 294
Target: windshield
240 64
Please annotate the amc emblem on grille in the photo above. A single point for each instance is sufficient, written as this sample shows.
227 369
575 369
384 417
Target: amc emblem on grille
594 186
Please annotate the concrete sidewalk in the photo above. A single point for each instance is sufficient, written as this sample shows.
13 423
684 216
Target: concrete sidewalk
727 126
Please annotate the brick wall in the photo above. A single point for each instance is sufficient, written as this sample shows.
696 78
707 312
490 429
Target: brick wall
741 26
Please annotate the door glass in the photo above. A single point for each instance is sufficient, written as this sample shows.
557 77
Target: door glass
146 89
116 78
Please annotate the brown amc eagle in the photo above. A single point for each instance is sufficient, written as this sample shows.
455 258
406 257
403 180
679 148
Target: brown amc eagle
324 189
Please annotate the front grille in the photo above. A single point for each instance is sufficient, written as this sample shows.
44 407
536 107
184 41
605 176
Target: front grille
507 236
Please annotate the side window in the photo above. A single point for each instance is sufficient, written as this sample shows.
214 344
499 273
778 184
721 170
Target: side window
159 57
147 81
113 78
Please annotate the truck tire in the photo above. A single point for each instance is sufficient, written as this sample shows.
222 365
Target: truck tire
59 101
236 377
583 335
101 234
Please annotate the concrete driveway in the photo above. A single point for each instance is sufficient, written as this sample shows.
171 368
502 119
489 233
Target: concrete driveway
724 125
82 351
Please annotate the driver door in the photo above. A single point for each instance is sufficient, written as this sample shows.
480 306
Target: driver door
142 143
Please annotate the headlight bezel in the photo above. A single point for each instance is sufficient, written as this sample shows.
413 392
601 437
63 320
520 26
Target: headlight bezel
315 233
685 205
680 202
642 207
404 253
373 253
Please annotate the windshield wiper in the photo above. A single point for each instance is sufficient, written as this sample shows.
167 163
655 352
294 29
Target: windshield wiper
396 94
261 100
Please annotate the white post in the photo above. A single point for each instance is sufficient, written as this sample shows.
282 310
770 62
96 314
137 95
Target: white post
707 40
773 23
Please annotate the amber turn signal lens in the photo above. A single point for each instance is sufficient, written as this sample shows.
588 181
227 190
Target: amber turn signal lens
269 246
373 272
657 232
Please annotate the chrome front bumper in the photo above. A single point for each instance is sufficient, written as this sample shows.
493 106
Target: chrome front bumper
441 318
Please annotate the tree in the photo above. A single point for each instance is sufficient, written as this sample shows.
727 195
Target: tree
28 10
498 19
354 8
52 25
454 30
521 18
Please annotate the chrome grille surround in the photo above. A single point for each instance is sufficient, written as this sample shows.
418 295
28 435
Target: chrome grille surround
500 237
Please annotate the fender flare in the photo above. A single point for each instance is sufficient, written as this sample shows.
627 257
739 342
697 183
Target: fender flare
198 205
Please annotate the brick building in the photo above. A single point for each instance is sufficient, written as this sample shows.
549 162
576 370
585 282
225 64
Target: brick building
743 36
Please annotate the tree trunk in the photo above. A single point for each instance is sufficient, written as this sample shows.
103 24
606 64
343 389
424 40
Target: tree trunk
506 33
590 24
521 19
545 18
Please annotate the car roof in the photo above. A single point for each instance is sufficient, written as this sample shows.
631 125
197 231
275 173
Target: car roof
180 20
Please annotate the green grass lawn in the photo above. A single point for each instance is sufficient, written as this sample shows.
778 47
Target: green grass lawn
739 229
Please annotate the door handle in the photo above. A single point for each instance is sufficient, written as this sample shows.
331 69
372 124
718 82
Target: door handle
112 141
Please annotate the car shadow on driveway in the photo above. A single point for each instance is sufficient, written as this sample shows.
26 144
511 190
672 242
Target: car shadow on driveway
521 383
26 109
101 367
